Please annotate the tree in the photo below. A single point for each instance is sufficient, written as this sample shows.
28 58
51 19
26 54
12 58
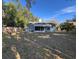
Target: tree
9 11
21 19
67 26
16 15
29 4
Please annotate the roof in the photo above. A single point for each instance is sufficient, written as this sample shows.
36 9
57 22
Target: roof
42 24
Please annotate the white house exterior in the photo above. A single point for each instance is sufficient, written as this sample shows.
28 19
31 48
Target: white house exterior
40 27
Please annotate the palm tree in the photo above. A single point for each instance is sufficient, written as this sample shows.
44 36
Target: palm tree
29 4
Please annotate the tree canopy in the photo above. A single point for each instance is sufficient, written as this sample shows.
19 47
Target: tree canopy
68 25
14 14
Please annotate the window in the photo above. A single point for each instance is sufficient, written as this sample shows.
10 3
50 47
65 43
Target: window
39 28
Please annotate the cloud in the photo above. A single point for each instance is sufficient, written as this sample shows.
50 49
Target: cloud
69 9
66 10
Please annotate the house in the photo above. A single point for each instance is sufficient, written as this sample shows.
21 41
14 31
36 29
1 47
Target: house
41 27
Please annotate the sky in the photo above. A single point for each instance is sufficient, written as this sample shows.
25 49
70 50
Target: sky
53 9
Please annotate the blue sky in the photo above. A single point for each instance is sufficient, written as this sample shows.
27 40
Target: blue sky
53 9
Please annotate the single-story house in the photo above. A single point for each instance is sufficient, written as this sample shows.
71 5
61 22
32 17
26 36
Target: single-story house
41 27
